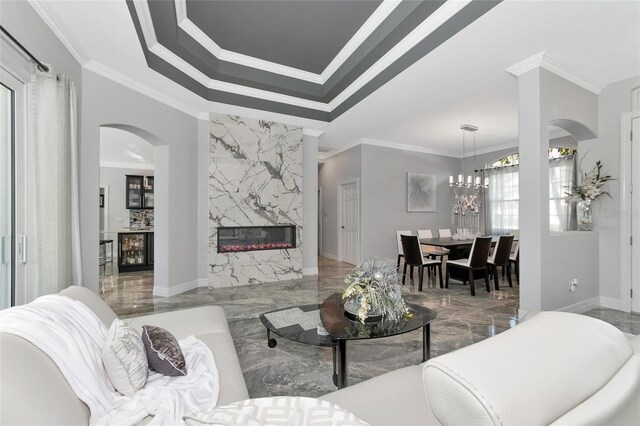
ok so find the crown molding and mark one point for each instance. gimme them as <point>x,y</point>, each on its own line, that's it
<point>53,21</point>
<point>225,55</point>
<point>312,132</point>
<point>104,71</point>
<point>544,60</point>
<point>405,147</point>
<point>149,34</point>
<point>429,25</point>
<point>122,165</point>
<point>492,149</point>
<point>369,26</point>
<point>324,155</point>
<point>61,31</point>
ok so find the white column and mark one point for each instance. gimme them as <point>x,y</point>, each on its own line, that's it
<point>310,205</point>
<point>533,181</point>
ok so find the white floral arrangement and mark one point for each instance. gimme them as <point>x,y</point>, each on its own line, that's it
<point>375,288</point>
<point>591,187</point>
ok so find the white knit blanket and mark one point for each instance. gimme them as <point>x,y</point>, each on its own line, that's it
<point>73,336</point>
<point>278,411</point>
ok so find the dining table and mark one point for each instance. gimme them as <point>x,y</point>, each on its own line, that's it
<point>458,249</point>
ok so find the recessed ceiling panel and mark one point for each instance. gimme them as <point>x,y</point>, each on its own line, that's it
<point>306,35</point>
<point>227,52</point>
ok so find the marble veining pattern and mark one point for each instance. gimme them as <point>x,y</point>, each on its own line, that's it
<point>255,178</point>
<point>297,369</point>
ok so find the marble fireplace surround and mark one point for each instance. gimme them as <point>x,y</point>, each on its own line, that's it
<point>255,179</point>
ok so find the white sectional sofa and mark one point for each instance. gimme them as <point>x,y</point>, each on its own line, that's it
<point>555,368</point>
<point>34,392</point>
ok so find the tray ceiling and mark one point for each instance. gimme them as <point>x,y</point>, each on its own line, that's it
<point>312,59</point>
<point>300,34</point>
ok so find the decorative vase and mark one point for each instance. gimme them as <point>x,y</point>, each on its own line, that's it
<point>585,221</point>
<point>351,307</point>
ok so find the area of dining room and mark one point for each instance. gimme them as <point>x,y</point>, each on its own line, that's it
<point>458,258</point>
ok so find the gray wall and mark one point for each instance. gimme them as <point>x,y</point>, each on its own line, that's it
<point>344,166</point>
<point>19,18</point>
<point>550,260</point>
<point>608,213</point>
<point>115,179</point>
<point>174,136</point>
<point>384,196</point>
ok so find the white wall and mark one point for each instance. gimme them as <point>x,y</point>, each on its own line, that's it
<point>174,136</point>
<point>119,148</point>
<point>310,204</point>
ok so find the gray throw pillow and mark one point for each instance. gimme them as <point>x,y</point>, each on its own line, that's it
<point>163,351</point>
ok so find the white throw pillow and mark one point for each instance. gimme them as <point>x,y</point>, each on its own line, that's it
<point>124,358</point>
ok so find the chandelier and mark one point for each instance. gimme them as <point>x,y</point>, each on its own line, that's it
<point>465,212</point>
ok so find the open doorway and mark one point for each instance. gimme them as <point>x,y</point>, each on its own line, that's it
<point>127,212</point>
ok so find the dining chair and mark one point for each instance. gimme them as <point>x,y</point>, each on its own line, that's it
<point>444,233</point>
<point>500,257</point>
<point>413,257</point>
<point>477,261</point>
<point>432,251</point>
<point>400,252</point>
<point>515,259</point>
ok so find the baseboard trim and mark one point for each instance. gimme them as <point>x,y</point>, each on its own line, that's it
<point>309,271</point>
<point>582,306</point>
<point>329,255</point>
<point>176,289</point>
<point>203,282</point>
<point>617,304</point>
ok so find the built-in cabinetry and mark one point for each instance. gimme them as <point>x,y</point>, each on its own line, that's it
<point>139,192</point>
<point>135,251</point>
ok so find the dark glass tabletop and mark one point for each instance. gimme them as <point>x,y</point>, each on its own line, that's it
<point>341,328</point>
<point>296,331</point>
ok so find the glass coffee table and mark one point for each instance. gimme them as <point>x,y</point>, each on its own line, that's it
<point>299,324</point>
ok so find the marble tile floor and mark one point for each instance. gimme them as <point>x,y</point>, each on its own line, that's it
<point>296,369</point>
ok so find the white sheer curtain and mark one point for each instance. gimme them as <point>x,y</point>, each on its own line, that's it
<point>562,173</point>
<point>54,255</point>
<point>503,200</point>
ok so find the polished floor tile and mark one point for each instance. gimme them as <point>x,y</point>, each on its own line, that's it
<point>296,369</point>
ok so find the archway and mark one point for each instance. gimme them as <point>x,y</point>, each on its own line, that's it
<point>150,206</point>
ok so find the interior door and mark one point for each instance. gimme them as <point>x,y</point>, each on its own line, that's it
<point>635,221</point>
<point>350,226</point>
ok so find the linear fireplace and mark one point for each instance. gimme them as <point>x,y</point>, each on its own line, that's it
<point>233,239</point>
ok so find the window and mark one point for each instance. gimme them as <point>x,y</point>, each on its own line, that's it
<point>503,196</point>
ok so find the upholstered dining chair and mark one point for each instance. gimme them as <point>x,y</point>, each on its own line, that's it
<point>477,261</point>
<point>444,233</point>
<point>500,257</point>
<point>432,251</point>
<point>413,257</point>
<point>514,258</point>
<point>400,252</point>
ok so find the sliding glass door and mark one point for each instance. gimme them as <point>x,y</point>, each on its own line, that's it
<point>13,176</point>
<point>7,227</point>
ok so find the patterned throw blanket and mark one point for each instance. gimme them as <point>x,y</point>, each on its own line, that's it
<point>277,411</point>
